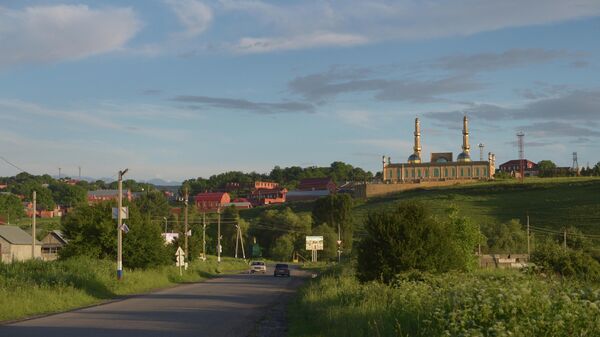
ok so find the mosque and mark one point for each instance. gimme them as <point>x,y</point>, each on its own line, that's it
<point>441,167</point>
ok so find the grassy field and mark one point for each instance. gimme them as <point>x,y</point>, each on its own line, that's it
<point>35,287</point>
<point>486,303</point>
<point>551,202</point>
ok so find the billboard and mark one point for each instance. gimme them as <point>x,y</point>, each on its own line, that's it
<point>314,243</point>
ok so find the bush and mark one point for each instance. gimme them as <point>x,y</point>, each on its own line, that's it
<point>409,237</point>
<point>550,257</point>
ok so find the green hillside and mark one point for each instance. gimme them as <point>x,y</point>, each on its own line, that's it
<point>552,203</point>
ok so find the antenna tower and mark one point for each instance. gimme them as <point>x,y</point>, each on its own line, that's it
<point>521,144</point>
<point>575,164</point>
<point>481,146</point>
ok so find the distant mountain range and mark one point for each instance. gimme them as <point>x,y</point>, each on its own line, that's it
<point>155,181</point>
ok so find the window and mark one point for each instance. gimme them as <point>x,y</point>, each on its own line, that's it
<point>426,173</point>
<point>398,173</point>
<point>462,172</point>
<point>477,172</point>
<point>413,173</point>
<point>446,172</point>
<point>436,172</point>
<point>419,173</point>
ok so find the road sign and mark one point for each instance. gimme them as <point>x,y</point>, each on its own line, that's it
<point>314,243</point>
<point>124,212</point>
<point>180,254</point>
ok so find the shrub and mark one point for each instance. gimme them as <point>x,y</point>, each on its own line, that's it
<point>409,237</point>
<point>552,258</point>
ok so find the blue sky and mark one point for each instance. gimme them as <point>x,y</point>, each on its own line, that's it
<point>181,89</point>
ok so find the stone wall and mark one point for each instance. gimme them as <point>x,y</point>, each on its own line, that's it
<point>373,190</point>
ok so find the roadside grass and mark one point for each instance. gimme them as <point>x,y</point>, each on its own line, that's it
<point>552,203</point>
<point>484,303</point>
<point>35,287</point>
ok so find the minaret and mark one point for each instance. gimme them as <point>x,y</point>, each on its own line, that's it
<point>465,156</point>
<point>415,158</point>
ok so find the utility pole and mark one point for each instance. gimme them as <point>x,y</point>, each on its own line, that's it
<point>528,235</point>
<point>237,239</point>
<point>185,220</point>
<point>565,239</point>
<point>204,236</point>
<point>119,229</point>
<point>339,242</point>
<point>33,219</point>
<point>219,235</point>
<point>242,242</point>
<point>164,218</point>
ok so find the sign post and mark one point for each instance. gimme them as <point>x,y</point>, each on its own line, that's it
<point>314,244</point>
<point>180,254</point>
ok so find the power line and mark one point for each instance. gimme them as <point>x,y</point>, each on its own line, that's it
<point>11,164</point>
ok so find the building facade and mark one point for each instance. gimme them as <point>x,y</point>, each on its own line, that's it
<point>15,245</point>
<point>441,167</point>
<point>212,201</point>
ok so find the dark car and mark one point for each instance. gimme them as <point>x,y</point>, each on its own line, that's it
<point>281,269</point>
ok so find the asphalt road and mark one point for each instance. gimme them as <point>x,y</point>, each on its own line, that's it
<point>226,306</point>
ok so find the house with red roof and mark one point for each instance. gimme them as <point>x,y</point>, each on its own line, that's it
<point>212,201</point>
<point>317,184</point>
<point>267,193</point>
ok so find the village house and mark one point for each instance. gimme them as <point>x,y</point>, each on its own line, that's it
<point>267,193</point>
<point>212,201</point>
<point>98,196</point>
<point>15,245</point>
<point>52,243</point>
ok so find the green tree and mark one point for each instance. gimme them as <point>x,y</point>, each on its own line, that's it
<point>283,248</point>
<point>11,207</point>
<point>329,241</point>
<point>153,204</point>
<point>506,238</point>
<point>273,224</point>
<point>67,195</point>
<point>546,168</point>
<point>92,232</point>
<point>336,211</point>
<point>409,237</point>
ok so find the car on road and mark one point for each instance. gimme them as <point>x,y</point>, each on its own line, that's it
<point>281,269</point>
<point>258,267</point>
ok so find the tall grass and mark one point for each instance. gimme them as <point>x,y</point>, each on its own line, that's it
<point>36,287</point>
<point>497,303</point>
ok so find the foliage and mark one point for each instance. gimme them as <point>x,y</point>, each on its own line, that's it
<point>547,168</point>
<point>11,207</point>
<point>329,241</point>
<point>283,248</point>
<point>273,224</point>
<point>67,195</point>
<point>153,204</point>
<point>38,287</point>
<point>409,237</point>
<point>496,303</point>
<point>336,210</point>
<point>506,238</point>
<point>288,177</point>
<point>550,257</point>
<point>92,232</point>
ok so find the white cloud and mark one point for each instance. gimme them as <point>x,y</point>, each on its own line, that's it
<point>318,39</point>
<point>63,32</point>
<point>310,24</point>
<point>195,16</point>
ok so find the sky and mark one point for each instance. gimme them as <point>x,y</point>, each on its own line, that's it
<point>181,89</point>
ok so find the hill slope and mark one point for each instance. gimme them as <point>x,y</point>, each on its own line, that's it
<point>551,203</point>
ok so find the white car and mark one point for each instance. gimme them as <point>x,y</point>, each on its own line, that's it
<point>258,267</point>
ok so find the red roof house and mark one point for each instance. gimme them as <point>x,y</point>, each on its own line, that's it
<point>317,184</point>
<point>211,201</point>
